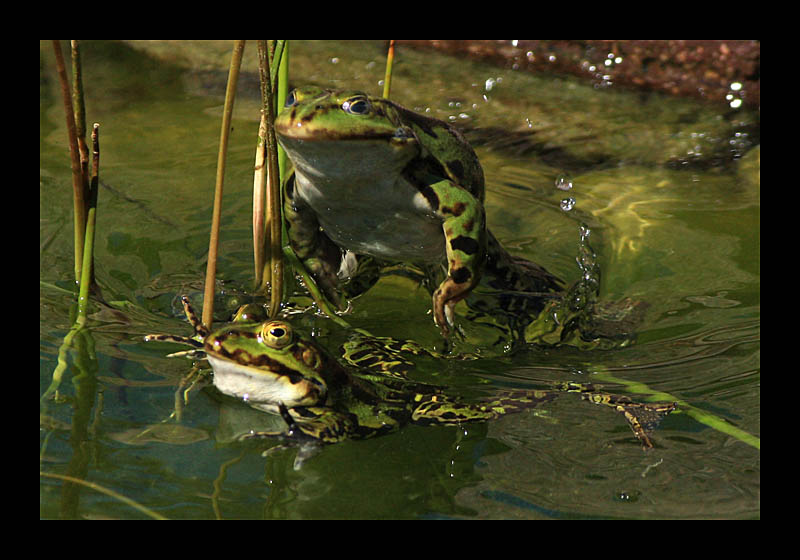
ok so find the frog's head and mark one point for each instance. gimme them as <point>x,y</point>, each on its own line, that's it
<point>330,131</point>
<point>267,364</point>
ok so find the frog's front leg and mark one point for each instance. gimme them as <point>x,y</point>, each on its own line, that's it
<point>464,226</point>
<point>320,256</point>
<point>318,423</point>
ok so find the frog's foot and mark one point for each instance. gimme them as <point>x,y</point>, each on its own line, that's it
<point>200,332</point>
<point>445,298</point>
<point>643,418</point>
<point>324,276</point>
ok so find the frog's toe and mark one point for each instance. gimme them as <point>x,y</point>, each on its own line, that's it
<point>443,314</point>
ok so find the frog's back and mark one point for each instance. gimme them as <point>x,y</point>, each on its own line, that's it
<point>446,153</point>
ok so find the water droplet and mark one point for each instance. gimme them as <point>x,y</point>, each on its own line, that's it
<point>627,497</point>
<point>567,204</point>
<point>563,182</point>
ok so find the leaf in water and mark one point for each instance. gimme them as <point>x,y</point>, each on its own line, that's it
<point>174,434</point>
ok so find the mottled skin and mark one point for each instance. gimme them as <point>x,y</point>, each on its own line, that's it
<point>382,182</point>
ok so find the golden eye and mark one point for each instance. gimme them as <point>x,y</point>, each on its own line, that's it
<point>276,334</point>
<point>356,106</point>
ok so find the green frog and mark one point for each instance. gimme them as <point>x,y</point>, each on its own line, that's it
<point>275,369</point>
<point>375,184</point>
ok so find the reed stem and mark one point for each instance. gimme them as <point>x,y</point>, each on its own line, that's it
<point>213,244</point>
<point>80,112</point>
<point>387,79</point>
<point>91,218</point>
<point>267,182</point>
<point>273,204</point>
<point>260,173</point>
<point>78,188</point>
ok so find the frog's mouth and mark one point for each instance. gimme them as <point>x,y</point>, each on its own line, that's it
<point>269,382</point>
<point>291,132</point>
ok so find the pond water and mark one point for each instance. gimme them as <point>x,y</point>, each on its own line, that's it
<point>669,188</point>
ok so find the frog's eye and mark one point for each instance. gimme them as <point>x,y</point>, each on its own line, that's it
<point>291,98</point>
<point>276,334</point>
<point>356,106</point>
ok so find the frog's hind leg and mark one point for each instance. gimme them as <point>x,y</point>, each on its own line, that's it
<point>643,418</point>
<point>506,272</point>
<point>439,409</point>
<point>358,273</point>
<point>200,332</point>
<point>319,255</point>
<point>200,329</point>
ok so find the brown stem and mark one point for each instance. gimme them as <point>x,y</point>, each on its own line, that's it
<point>78,187</point>
<point>213,245</point>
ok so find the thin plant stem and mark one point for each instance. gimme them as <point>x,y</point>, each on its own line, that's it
<point>213,244</point>
<point>91,219</point>
<point>86,273</point>
<point>273,224</point>
<point>260,172</point>
<point>282,93</point>
<point>107,491</point>
<point>268,229</point>
<point>387,80</point>
<point>80,111</point>
<point>276,65</point>
<point>78,188</point>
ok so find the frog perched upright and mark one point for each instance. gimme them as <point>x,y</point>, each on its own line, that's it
<point>375,182</point>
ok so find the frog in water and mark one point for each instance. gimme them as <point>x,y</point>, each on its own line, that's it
<point>375,183</point>
<point>273,368</point>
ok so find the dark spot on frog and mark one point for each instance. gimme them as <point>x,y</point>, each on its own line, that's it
<point>303,412</point>
<point>461,275</point>
<point>465,244</point>
<point>430,195</point>
<point>223,337</point>
<point>457,209</point>
<point>456,168</point>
